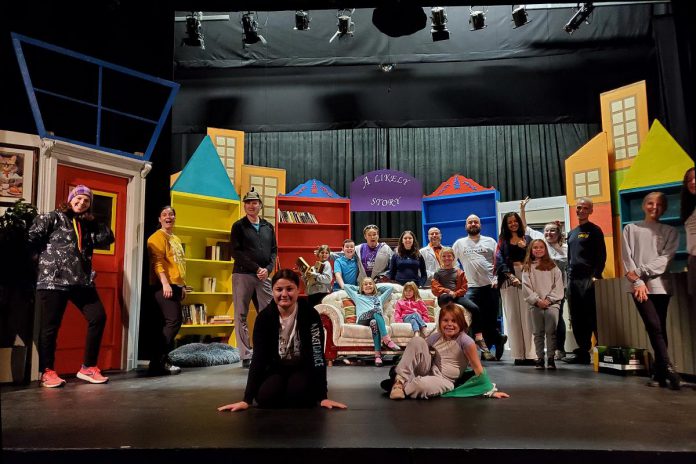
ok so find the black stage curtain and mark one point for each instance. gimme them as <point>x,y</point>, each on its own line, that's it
<point>518,160</point>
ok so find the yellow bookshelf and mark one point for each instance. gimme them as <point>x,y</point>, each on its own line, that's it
<point>203,222</point>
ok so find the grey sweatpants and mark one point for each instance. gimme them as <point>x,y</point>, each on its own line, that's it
<point>243,288</point>
<point>544,322</point>
<point>421,371</point>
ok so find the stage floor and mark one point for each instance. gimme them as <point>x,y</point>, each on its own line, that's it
<point>570,415</point>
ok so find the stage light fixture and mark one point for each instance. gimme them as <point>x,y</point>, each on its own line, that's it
<point>346,26</point>
<point>477,19</point>
<point>194,32</point>
<point>519,16</point>
<point>439,31</point>
<point>250,29</point>
<point>302,20</point>
<point>580,16</point>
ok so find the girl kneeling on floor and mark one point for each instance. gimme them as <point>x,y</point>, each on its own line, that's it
<point>421,374</point>
<point>369,303</point>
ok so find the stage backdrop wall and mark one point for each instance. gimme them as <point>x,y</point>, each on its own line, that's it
<point>517,160</point>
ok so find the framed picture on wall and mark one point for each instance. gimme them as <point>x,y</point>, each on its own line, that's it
<point>18,173</point>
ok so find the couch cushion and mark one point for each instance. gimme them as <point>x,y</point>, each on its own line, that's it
<point>356,331</point>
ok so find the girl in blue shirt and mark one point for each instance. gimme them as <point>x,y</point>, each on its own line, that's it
<point>369,302</point>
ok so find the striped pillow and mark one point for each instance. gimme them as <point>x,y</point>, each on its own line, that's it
<point>349,316</point>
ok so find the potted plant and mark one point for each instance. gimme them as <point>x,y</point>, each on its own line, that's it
<point>17,281</point>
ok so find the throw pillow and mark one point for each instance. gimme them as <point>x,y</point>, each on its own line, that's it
<point>349,316</point>
<point>430,304</point>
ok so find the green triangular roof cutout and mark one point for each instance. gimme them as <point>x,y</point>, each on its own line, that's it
<point>660,160</point>
<point>204,174</point>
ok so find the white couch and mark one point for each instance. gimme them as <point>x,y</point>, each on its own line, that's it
<point>343,339</point>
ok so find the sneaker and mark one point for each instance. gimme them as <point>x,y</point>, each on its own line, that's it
<point>577,359</point>
<point>165,369</point>
<point>673,378</point>
<point>50,379</point>
<point>393,346</point>
<point>397,391</point>
<point>423,332</point>
<point>539,364</point>
<point>378,361</point>
<point>485,352</point>
<point>657,383</point>
<point>91,375</point>
<point>551,364</point>
<point>500,346</point>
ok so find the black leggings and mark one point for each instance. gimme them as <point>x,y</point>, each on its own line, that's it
<point>654,315</point>
<point>170,323</point>
<point>52,304</point>
<point>286,387</point>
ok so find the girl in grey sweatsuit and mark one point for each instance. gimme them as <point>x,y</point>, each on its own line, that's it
<point>543,290</point>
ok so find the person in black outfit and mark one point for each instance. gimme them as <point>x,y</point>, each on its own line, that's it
<point>65,240</point>
<point>587,255</point>
<point>288,369</point>
<point>254,251</point>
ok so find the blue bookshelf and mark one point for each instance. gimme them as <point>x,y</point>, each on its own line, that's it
<point>449,213</point>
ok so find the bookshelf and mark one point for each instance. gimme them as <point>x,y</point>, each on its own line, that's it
<point>203,224</point>
<point>631,210</point>
<point>449,212</point>
<point>297,239</point>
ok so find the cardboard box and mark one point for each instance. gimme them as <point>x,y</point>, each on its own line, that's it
<point>624,360</point>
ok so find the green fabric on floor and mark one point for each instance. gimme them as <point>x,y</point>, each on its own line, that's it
<point>475,386</point>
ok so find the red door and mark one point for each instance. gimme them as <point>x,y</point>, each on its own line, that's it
<point>109,205</point>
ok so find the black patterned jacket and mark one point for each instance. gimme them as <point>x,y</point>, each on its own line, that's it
<point>61,264</point>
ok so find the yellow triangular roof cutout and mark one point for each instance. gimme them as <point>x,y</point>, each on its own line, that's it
<point>660,160</point>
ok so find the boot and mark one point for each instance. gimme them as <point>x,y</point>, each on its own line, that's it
<point>673,378</point>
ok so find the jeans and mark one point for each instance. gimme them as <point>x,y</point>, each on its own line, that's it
<point>415,320</point>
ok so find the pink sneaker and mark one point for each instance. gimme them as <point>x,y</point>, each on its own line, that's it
<point>50,379</point>
<point>393,346</point>
<point>91,375</point>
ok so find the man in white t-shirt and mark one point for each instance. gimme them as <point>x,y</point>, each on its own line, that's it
<point>476,253</point>
<point>431,253</point>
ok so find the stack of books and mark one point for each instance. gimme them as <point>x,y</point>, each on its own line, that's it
<point>221,319</point>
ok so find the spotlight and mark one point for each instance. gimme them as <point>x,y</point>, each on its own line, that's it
<point>519,16</point>
<point>387,67</point>
<point>477,19</point>
<point>579,17</point>
<point>302,20</point>
<point>439,27</point>
<point>250,29</point>
<point>346,26</point>
<point>194,34</point>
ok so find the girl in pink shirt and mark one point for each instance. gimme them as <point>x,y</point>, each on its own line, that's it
<point>411,309</point>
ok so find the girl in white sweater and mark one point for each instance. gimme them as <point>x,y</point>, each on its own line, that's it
<point>648,247</point>
<point>542,287</point>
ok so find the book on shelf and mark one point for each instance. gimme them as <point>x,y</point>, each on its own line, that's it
<point>209,284</point>
<point>221,319</point>
<point>222,251</point>
<point>303,217</point>
<point>194,314</point>
<point>225,251</point>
